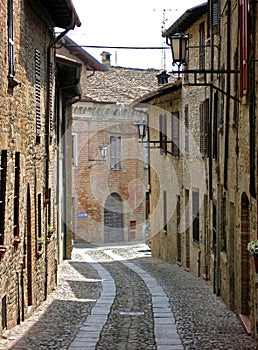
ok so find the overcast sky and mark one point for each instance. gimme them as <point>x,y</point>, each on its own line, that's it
<point>132,23</point>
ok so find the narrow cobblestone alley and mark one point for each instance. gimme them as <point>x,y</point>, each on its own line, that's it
<point>119,297</point>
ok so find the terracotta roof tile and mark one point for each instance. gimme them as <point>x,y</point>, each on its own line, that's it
<point>123,85</point>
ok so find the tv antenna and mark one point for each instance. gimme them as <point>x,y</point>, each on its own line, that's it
<point>163,42</point>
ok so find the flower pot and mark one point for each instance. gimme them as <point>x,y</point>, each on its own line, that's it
<point>16,241</point>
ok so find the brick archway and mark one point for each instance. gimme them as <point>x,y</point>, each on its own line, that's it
<point>113,219</point>
<point>245,259</point>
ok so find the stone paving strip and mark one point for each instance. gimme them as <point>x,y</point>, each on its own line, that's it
<point>165,328</point>
<point>89,333</point>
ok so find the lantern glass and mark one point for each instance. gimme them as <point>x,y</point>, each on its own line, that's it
<point>178,43</point>
<point>141,129</point>
<point>103,151</point>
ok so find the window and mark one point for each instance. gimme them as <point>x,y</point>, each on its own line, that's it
<point>187,132</point>
<point>10,24</point>
<point>204,117</point>
<point>196,223</point>
<point>38,92</point>
<point>163,133</point>
<point>115,152</point>
<point>202,47</point>
<point>175,133</point>
<point>16,194</point>
<point>3,174</point>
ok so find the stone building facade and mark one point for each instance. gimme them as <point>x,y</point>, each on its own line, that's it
<point>28,217</point>
<point>210,226</point>
<point>111,195</point>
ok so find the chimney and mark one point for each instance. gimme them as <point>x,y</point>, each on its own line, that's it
<point>106,58</point>
<point>162,77</point>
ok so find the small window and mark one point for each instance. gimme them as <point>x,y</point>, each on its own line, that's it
<point>115,152</point>
<point>3,174</point>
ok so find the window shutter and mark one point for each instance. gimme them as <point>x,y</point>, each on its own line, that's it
<point>187,135</point>
<point>202,128</point>
<point>175,133</point>
<point>202,47</point>
<point>51,96</point>
<point>115,152</point>
<point>215,13</point>
<point>37,91</point>
<point>10,39</point>
<point>3,176</point>
<point>244,48</point>
<point>118,152</point>
<point>112,152</point>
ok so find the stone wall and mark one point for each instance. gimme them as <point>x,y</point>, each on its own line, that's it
<point>27,274</point>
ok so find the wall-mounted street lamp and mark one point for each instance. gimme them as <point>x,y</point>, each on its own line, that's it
<point>142,127</point>
<point>178,44</point>
<point>180,48</point>
<point>103,152</point>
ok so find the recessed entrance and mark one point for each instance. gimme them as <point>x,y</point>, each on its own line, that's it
<point>113,219</point>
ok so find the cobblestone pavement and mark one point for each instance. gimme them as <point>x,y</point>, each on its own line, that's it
<point>202,319</point>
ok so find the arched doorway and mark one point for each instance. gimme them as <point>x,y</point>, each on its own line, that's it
<point>113,219</point>
<point>245,259</point>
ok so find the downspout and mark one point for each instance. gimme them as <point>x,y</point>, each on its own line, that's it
<point>47,140</point>
<point>228,96</point>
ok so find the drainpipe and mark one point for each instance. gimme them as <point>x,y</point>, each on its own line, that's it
<point>22,292</point>
<point>47,141</point>
<point>18,297</point>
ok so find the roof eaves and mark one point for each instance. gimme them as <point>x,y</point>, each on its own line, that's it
<point>159,92</point>
<point>187,19</point>
<point>84,56</point>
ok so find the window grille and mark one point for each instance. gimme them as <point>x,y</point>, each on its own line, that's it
<point>38,91</point>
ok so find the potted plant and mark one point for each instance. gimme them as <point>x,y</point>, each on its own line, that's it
<point>252,247</point>
<point>50,231</point>
<point>40,242</point>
